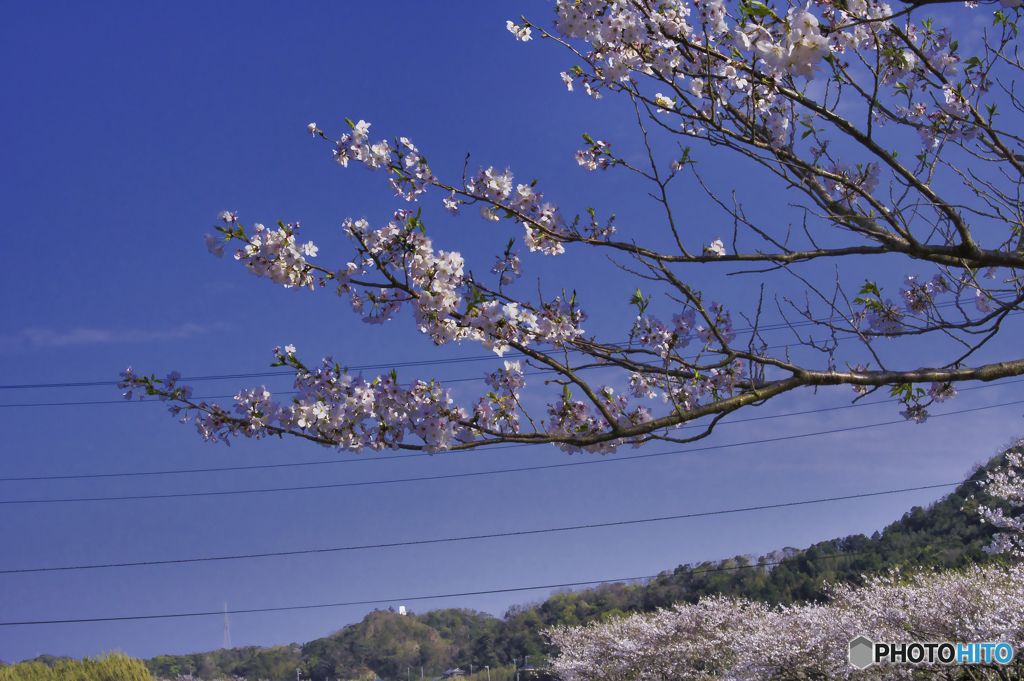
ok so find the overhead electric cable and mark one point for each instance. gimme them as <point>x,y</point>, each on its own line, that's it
<point>287,392</point>
<point>398,365</point>
<point>451,476</point>
<point>451,595</point>
<point>259,374</point>
<point>295,392</point>
<point>422,454</point>
<point>517,533</point>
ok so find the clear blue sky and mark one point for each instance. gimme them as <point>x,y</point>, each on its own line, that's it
<point>128,127</point>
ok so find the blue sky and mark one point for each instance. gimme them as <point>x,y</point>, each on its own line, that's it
<point>129,127</point>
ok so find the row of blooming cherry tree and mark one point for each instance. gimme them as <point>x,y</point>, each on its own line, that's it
<point>730,638</point>
<point>898,140</point>
<point>734,638</point>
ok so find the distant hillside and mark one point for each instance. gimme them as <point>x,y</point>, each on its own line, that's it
<point>392,646</point>
<point>51,661</point>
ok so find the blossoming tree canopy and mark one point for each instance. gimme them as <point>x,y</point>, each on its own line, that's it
<point>734,638</point>
<point>1006,482</point>
<point>897,143</point>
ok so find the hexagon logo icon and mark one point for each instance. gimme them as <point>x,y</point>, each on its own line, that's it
<point>861,649</point>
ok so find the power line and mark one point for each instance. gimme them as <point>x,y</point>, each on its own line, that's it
<point>218,470</point>
<point>451,595</point>
<point>216,397</point>
<point>408,456</point>
<point>278,373</point>
<point>273,374</point>
<point>398,365</point>
<point>517,533</point>
<point>259,374</point>
<point>389,458</point>
<point>451,476</point>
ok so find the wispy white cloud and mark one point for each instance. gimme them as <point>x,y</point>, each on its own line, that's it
<point>38,337</point>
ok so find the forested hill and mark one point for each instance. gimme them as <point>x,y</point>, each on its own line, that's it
<point>386,644</point>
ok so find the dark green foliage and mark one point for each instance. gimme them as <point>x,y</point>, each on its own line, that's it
<point>50,660</point>
<point>395,647</point>
<point>252,662</point>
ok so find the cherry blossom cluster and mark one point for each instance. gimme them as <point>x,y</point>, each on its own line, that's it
<point>508,380</point>
<point>414,176</point>
<point>915,400</point>
<point>496,325</point>
<point>940,392</point>
<point>720,326</point>
<point>652,333</point>
<point>270,253</point>
<point>402,250</point>
<point>717,57</point>
<point>598,155</point>
<point>617,31</point>
<point>919,296</point>
<point>508,268</point>
<point>137,387</point>
<point>570,418</point>
<point>337,409</point>
<point>434,285</point>
<point>498,411</point>
<point>331,407</point>
<point>542,220</point>
<point>698,387</point>
<point>688,393</point>
<point>883,317</point>
<point>596,230</point>
<point>356,146</point>
<point>983,301</point>
<point>352,413</point>
<point>803,50</point>
<point>733,638</point>
<point>851,184</point>
<point>1006,482</point>
<point>716,248</point>
<point>520,32</point>
<point>410,174</point>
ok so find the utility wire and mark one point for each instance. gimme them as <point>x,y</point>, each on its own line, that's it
<point>451,476</point>
<point>277,373</point>
<point>219,397</point>
<point>398,365</point>
<point>408,456</point>
<point>411,456</point>
<point>295,392</point>
<point>259,374</point>
<point>451,595</point>
<point>518,533</point>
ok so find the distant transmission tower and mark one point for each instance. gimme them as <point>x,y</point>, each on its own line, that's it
<point>227,628</point>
